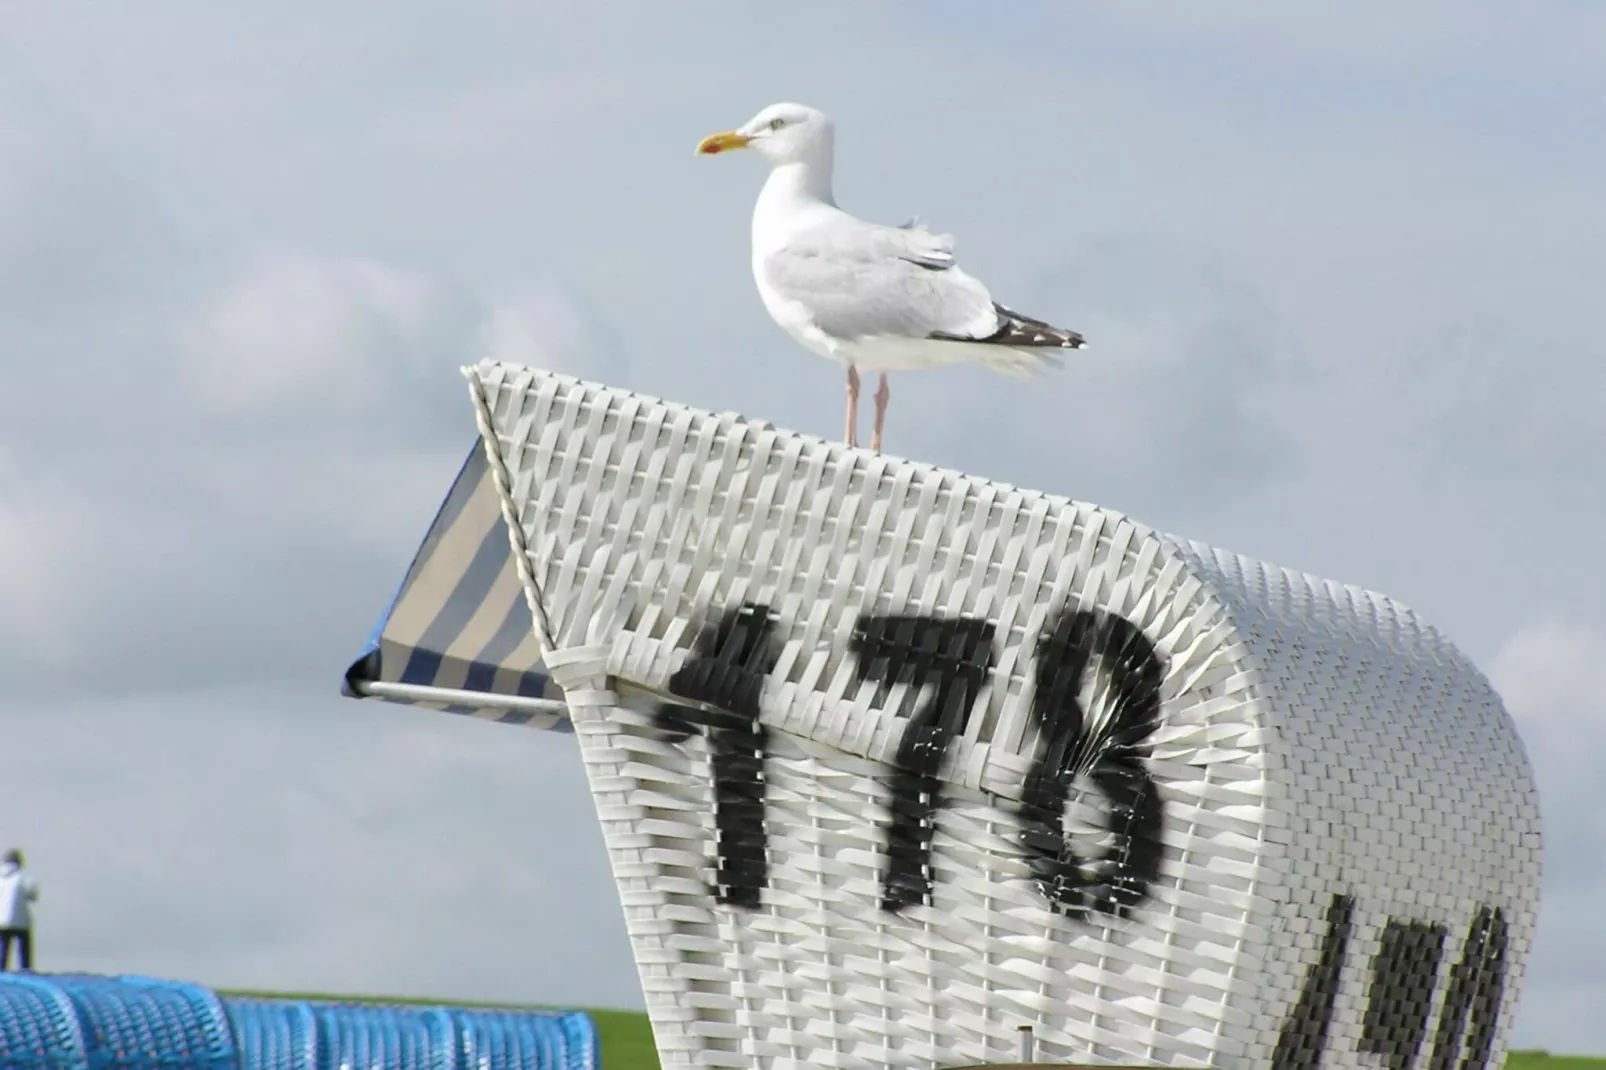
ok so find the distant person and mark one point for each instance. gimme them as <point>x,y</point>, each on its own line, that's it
<point>17,890</point>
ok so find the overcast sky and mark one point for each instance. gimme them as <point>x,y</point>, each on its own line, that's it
<point>1341,272</point>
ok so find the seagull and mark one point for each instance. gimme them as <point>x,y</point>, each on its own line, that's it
<point>871,297</point>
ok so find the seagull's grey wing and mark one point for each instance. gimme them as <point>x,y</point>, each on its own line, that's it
<point>856,280</point>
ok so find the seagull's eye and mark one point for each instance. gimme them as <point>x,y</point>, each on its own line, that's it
<point>776,124</point>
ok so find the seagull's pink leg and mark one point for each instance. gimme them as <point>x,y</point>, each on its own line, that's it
<point>853,405</point>
<point>882,396</point>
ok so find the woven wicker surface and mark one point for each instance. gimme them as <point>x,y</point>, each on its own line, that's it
<point>973,757</point>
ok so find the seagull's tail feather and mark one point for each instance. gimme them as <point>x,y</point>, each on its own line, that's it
<point>1022,346</point>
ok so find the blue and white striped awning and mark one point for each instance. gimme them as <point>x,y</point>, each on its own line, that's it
<point>458,636</point>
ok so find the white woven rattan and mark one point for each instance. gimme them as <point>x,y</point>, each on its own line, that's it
<point>1314,740</point>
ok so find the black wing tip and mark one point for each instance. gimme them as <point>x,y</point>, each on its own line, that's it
<point>1015,338</point>
<point>1029,333</point>
<point>1019,332</point>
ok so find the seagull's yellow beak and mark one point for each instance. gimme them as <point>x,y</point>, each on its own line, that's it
<point>715,143</point>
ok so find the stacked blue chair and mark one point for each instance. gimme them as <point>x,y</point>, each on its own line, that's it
<point>39,1027</point>
<point>293,1035</point>
<point>493,1040</point>
<point>83,1022</point>
<point>273,1034</point>
<point>120,1023</point>
<point>384,1038</point>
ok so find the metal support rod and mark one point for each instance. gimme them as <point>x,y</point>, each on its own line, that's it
<point>452,695</point>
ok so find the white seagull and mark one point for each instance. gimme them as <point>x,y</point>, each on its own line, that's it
<point>862,294</point>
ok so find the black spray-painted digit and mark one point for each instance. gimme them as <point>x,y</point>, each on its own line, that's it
<point>1113,755</point>
<point>1399,999</point>
<point>1476,984</point>
<point>945,662</point>
<point>727,669</point>
<point>1304,1032</point>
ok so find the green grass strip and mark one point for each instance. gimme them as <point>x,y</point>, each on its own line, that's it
<point>627,1042</point>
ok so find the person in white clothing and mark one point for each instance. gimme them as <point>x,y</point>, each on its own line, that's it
<point>17,891</point>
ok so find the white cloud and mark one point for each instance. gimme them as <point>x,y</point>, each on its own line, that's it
<point>300,328</point>
<point>342,334</point>
<point>1549,675</point>
<point>537,327</point>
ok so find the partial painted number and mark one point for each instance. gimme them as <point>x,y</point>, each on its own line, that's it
<point>944,663</point>
<point>1399,997</point>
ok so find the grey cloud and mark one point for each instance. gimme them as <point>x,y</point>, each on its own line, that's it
<point>1521,409</point>
<point>89,259</point>
<point>73,221</point>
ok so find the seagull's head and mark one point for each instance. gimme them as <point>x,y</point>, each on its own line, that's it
<point>781,133</point>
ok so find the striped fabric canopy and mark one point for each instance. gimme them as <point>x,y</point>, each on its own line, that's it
<point>458,636</point>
